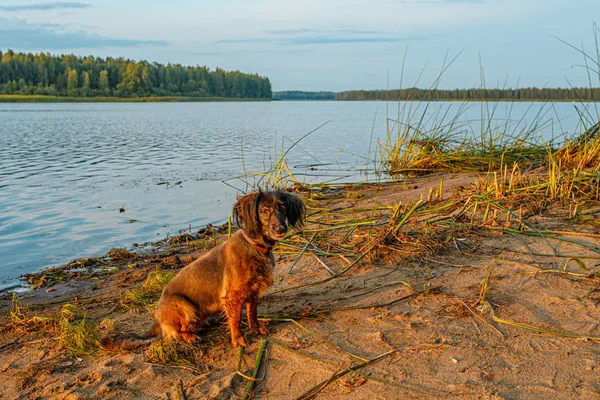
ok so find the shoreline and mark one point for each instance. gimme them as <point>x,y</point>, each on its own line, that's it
<point>11,99</point>
<point>455,101</point>
<point>51,275</point>
<point>150,99</point>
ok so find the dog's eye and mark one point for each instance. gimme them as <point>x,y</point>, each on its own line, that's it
<point>282,208</point>
<point>264,211</point>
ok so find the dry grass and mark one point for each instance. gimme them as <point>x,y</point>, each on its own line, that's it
<point>77,333</point>
<point>582,152</point>
<point>148,292</point>
<point>174,353</point>
<point>20,317</point>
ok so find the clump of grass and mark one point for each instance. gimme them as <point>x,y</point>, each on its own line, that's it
<point>133,300</point>
<point>416,152</point>
<point>157,280</point>
<point>77,333</point>
<point>164,352</point>
<point>143,296</point>
<point>175,353</point>
<point>583,152</point>
<point>561,183</point>
<point>38,281</point>
<point>569,187</point>
<point>20,317</point>
<point>17,314</point>
<point>423,138</point>
<point>399,217</point>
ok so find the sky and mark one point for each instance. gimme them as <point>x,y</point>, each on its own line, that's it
<point>330,45</point>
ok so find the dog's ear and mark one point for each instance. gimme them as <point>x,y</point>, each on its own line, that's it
<point>245,213</point>
<point>295,210</point>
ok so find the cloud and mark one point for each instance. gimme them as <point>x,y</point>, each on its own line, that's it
<point>347,39</point>
<point>22,35</point>
<point>324,39</point>
<point>46,6</point>
<point>256,40</point>
<point>451,1</point>
<point>321,31</point>
<point>307,36</point>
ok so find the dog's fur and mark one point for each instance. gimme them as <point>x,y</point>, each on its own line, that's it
<point>233,274</point>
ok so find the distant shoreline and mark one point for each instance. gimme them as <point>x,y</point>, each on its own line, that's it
<point>174,99</point>
<point>492,100</point>
<point>153,99</point>
<point>449,101</point>
<point>530,94</point>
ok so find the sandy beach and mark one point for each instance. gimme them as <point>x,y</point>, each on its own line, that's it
<point>390,291</point>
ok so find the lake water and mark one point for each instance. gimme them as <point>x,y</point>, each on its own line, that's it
<point>67,169</point>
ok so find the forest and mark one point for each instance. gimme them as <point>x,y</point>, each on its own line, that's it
<point>525,94</point>
<point>73,76</point>
<point>43,74</point>
<point>302,95</point>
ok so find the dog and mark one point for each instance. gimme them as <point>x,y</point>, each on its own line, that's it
<point>233,274</point>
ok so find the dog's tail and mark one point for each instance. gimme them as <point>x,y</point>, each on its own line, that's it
<point>129,341</point>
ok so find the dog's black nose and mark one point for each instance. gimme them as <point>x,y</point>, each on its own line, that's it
<point>280,229</point>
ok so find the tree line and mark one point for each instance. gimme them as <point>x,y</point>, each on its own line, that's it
<point>301,95</point>
<point>529,94</point>
<point>69,75</point>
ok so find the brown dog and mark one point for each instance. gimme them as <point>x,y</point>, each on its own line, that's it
<point>232,274</point>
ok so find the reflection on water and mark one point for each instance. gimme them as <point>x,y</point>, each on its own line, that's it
<point>67,169</point>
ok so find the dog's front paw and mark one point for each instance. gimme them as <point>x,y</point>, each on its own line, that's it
<point>238,341</point>
<point>259,328</point>
<point>189,337</point>
<point>259,331</point>
<point>263,330</point>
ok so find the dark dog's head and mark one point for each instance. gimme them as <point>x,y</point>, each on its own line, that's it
<point>266,215</point>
